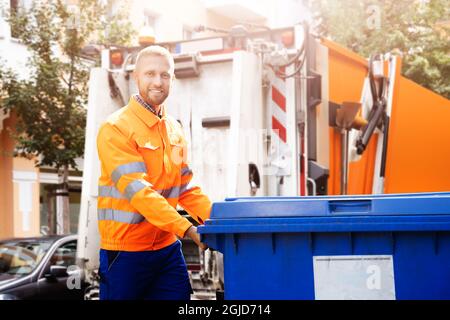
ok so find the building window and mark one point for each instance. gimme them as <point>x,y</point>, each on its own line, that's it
<point>15,6</point>
<point>150,21</point>
<point>187,33</point>
<point>48,207</point>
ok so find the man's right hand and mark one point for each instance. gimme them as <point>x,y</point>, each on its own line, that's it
<point>192,233</point>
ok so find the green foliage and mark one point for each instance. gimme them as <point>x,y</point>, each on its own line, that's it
<point>417,29</point>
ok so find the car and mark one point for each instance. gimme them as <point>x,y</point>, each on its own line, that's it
<point>40,268</point>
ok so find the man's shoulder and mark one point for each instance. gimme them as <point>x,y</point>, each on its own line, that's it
<point>119,117</point>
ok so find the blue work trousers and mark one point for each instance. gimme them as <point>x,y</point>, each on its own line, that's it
<point>144,275</point>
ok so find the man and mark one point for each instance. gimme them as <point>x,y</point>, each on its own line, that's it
<point>144,175</point>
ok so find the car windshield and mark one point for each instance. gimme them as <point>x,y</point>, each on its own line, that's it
<point>21,257</point>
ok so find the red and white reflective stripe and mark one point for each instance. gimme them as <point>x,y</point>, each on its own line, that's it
<point>278,107</point>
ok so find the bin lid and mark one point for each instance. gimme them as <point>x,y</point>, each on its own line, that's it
<point>385,213</point>
<point>319,206</point>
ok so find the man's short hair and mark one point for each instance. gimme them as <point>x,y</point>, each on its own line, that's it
<point>155,50</point>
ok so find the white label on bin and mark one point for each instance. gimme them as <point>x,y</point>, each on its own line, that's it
<point>354,277</point>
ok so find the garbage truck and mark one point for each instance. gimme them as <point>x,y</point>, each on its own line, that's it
<point>278,112</point>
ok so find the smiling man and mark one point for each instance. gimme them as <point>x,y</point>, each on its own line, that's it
<point>144,176</point>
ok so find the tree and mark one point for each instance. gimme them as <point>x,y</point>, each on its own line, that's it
<point>419,30</point>
<point>50,103</point>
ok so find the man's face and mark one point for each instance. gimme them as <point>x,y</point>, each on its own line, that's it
<point>153,77</point>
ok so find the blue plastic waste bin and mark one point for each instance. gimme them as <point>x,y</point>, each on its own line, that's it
<point>343,247</point>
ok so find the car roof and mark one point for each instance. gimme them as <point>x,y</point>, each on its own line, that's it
<point>52,238</point>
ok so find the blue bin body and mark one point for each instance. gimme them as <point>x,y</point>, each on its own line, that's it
<point>269,244</point>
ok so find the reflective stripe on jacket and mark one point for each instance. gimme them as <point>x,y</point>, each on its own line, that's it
<point>144,176</point>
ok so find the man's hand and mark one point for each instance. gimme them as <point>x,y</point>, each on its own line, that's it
<point>192,233</point>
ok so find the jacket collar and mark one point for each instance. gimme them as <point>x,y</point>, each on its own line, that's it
<point>145,115</point>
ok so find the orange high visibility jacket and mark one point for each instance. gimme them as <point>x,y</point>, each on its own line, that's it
<point>144,175</point>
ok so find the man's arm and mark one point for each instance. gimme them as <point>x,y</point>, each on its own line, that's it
<point>192,233</point>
